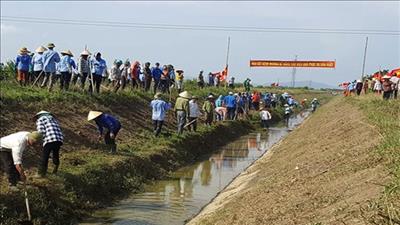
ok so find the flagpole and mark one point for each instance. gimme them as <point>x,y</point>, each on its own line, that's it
<point>227,59</point>
<point>365,56</point>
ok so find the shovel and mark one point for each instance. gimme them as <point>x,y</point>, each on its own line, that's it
<point>29,221</point>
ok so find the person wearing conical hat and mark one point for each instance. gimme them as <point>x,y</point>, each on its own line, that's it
<point>12,148</point>
<point>387,87</point>
<point>182,109</point>
<point>108,122</point>
<point>159,109</point>
<point>22,63</point>
<point>83,69</point>
<point>66,67</point>
<point>51,58</point>
<point>99,65</point>
<point>38,62</point>
<point>48,126</point>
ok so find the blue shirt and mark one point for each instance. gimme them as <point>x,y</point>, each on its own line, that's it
<point>22,62</point>
<point>50,58</point>
<point>66,64</point>
<point>230,101</point>
<point>156,73</point>
<point>98,66</point>
<point>218,102</point>
<point>159,109</point>
<point>290,101</point>
<point>38,62</point>
<point>108,122</point>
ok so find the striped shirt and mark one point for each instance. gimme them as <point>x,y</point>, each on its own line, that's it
<point>49,127</point>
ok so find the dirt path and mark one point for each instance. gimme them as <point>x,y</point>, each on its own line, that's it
<point>324,172</point>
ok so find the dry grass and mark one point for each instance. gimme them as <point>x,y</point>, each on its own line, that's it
<point>325,172</point>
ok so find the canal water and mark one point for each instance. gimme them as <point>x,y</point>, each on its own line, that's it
<point>181,196</point>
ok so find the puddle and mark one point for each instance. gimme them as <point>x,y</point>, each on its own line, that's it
<point>174,200</point>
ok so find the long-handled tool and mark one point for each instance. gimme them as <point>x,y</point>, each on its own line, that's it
<point>28,210</point>
<point>191,122</point>
<point>37,78</point>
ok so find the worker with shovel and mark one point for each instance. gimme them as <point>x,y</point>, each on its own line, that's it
<point>109,122</point>
<point>182,110</point>
<point>11,150</point>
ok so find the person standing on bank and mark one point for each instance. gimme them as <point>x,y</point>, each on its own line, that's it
<point>83,69</point>
<point>50,58</point>
<point>147,76</point>
<point>200,80</point>
<point>38,62</point>
<point>11,150</point>
<point>53,138</point>
<point>182,110</point>
<point>108,122</point>
<point>208,108</point>
<point>194,113</point>
<point>66,65</point>
<point>160,107</point>
<point>99,65</point>
<point>22,63</point>
<point>156,74</point>
<point>179,80</point>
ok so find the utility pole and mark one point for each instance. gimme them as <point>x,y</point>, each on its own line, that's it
<point>294,73</point>
<point>365,57</point>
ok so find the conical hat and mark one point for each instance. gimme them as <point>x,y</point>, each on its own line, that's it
<point>41,49</point>
<point>85,52</point>
<point>23,50</point>
<point>93,115</point>
<point>185,94</point>
<point>67,52</point>
<point>50,45</point>
<point>386,77</point>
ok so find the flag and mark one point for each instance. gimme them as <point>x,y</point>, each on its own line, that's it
<point>395,72</point>
<point>224,74</point>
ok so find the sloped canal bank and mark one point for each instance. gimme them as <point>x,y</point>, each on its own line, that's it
<point>183,194</point>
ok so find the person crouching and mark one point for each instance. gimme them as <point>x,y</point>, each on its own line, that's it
<point>11,150</point>
<point>112,125</point>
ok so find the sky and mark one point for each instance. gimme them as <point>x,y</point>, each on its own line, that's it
<point>195,50</point>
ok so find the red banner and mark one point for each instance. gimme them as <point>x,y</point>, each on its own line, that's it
<point>278,63</point>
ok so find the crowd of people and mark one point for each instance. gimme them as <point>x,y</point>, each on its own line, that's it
<point>387,86</point>
<point>47,64</point>
<point>46,67</point>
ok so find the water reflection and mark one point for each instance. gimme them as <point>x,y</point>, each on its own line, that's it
<point>173,200</point>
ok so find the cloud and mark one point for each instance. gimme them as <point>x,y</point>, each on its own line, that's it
<point>6,29</point>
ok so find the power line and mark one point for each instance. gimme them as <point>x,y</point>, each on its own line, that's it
<point>115,24</point>
<point>197,26</point>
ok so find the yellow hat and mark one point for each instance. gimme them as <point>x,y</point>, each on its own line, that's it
<point>93,115</point>
<point>23,50</point>
<point>34,136</point>
<point>50,45</point>
<point>41,49</point>
<point>185,94</point>
<point>67,52</point>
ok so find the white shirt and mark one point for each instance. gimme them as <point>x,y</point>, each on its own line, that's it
<point>265,115</point>
<point>194,109</point>
<point>17,142</point>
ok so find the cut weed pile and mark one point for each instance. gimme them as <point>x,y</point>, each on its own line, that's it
<point>90,178</point>
<point>325,172</point>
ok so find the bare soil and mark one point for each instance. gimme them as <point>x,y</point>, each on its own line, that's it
<point>324,172</point>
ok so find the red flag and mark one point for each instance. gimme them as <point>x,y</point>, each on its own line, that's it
<point>224,74</point>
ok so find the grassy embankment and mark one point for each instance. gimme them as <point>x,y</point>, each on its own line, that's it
<point>340,167</point>
<point>89,177</point>
<point>385,117</point>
